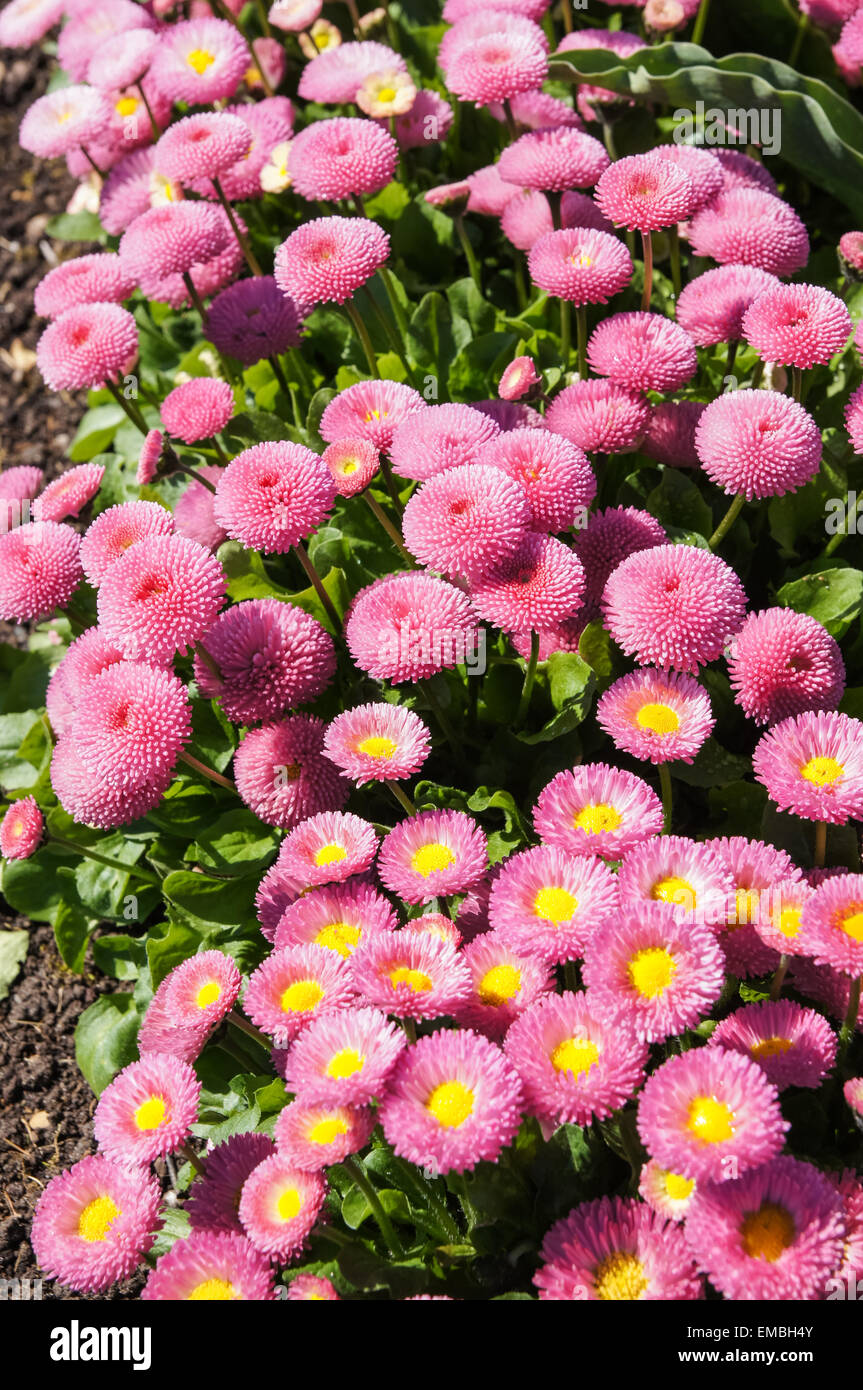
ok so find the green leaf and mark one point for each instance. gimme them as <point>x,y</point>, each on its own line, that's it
<point>255,427</point>
<point>483,360</point>
<point>106,892</point>
<point>209,902</point>
<point>105,1039</point>
<point>34,887</point>
<point>72,930</point>
<point>119,956</point>
<point>76,226</point>
<point>236,843</point>
<point>168,945</point>
<point>834,597</point>
<point>676,501</point>
<point>13,949</point>
<point>431,340</point>
<point>95,432</point>
<point>569,676</point>
<point>713,767</point>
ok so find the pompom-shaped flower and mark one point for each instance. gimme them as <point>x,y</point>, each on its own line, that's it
<point>147,1110</point>
<point>554,160</point>
<point>268,657</point>
<point>68,494</point>
<point>313,1134</point>
<point>370,410</point>
<point>537,587</point>
<point>280,1205</point>
<point>504,983</point>
<point>86,657</point>
<point>24,22</point>
<point>712,307</point>
<point>580,265</point>
<point>831,924</point>
<point>812,765</point>
<point>341,158</point>
<point>198,409</point>
<point>283,775</point>
<point>110,535</point>
<point>122,59</point>
<point>775,1233</point>
<point>273,495</point>
<point>689,876</point>
<point>253,319</point>
<point>439,438</point>
<point>797,325</point>
<point>131,724</point>
<point>410,974</point>
<point>21,829</point>
<point>94,1222</point>
<point>330,847</point>
<point>329,258</point>
<point>293,986</point>
<point>466,520</point>
<point>548,904</point>
<point>555,475</point>
<point>334,916</point>
<point>219,1266</point>
<point>432,855</point>
<point>214,1198</point>
<point>572,1066</point>
<point>596,809</point>
<point>758,443</point>
<point>344,1058</point>
<point>335,75</point>
<point>702,1108</point>
<point>200,61</point>
<point>377,743</point>
<point>792,1045</point>
<point>657,974</point>
<point>352,463</point>
<point>453,1100</point>
<point>673,606</point>
<point>172,239</point>
<point>40,568</point>
<point>202,146</point>
<point>86,346</point>
<point>854,419</point>
<point>700,165</point>
<point>407,626</point>
<point>306,1288</point>
<point>101,278</point>
<point>781,663</point>
<point>599,416</point>
<point>616,1249</point>
<point>747,226</point>
<point>519,379</point>
<point>656,716</point>
<point>496,67</point>
<point>645,192</point>
<point>160,597</point>
<point>644,352</point>
<point>670,437</point>
<point>63,120</point>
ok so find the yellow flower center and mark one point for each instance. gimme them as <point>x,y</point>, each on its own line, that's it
<point>95,1220</point>
<point>330,854</point>
<point>822,771</point>
<point>213,1291</point>
<point>746,901</point>
<point>619,1278</point>
<point>290,1204</point>
<point>853,925</point>
<point>326,1131</point>
<point>414,979</point>
<point>430,859</point>
<point>387,94</point>
<point>710,1120</point>
<point>208,994</point>
<point>152,1113</point>
<point>575,1055</point>
<point>659,719</point>
<point>126,106</point>
<point>373,415</point>
<point>345,1063</point>
<point>594,819</point>
<point>200,59</point>
<point>301,997</point>
<point>652,970</point>
<point>378,747</point>
<point>349,466</point>
<point>555,904</point>
<point>767,1232</point>
<point>770,1047</point>
<point>451,1103</point>
<point>338,936</point>
<point>252,75</point>
<point>674,890</point>
<point>500,983</point>
<point>581,260</point>
<point>788,922</point>
<point>678,1187</point>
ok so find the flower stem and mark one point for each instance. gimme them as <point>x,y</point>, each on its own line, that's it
<point>318,586</point>
<point>700,21</point>
<point>800,34</point>
<point>378,511</point>
<point>529,678</point>
<point>674,254</point>
<point>178,467</point>
<point>249,1029</point>
<point>820,843</point>
<point>565,332</point>
<point>392,295</point>
<point>647,251</point>
<point>566,15</point>
<point>242,240</point>
<point>207,772</point>
<point>797,383</point>
<point>191,290</point>
<point>666,791</point>
<point>448,1225</point>
<point>363,334</point>
<point>402,798</point>
<point>727,522</point>
<point>97,858</point>
<point>779,977</point>
<point>470,257</point>
<point>128,407</point>
<point>190,1156</point>
<point>387,474</point>
<point>148,108</point>
<point>846,1032</point>
<point>91,161</point>
<point>510,121</point>
<point>581,336</point>
<point>366,1187</point>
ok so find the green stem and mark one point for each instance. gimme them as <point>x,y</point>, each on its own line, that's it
<point>155,131</point>
<point>757,375</point>
<point>395,304</point>
<point>402,798</point>
<point>778,978</point>
<point>727,522</point>
<point>820,843</point>
<point>378,511</point>
<point>317,584</point>
<point>529,679</point>
<point>674,252</point>
<point>510,121</point>
<point>367,1188</point>
<point>700,21</point>
<point>179,467</point>
<point>607,134</point>
<point>581,337</point>
<point>849,1025</point>
<point>849,529</point>
<point>731,357</point>
<point>666,790</point>
<point>363,334</point>
<point>799,36</point>
<point>91,161</point>
<point>207,772</point>
<point>192,291</point>
<point>97,858</point>
<point>408,1025</point>
<point>421,1187</point>
<point>565,332</point>
<point>472,262</point>
<point>570,975</point>
<point>242,240</point>
<point>797,383</point>
<point>387,475</point>
<point>249,1029</point>
<point>188,1153</point>
<point>128,407</point>
<point>647,251</point>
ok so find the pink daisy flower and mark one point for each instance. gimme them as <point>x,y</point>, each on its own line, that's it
<point>554,160</point>
<point>283,775</point>
<point>21,829</point>
<point>670,437</point>
<point>330,847</point>
<point>170,239</point>
<point>537,110</point>
<point>108,538</point>
<point>86,346</point>
<point>792,1045</point>
<point>273,495</point>
<point>378,743</point>
<point>147,1110</point>
<point>439,438</point>
<point>853,1093</point>
<point>341,158</point>
<point>474,22</point>
<point>673,606</point>
<point>214,1198</point>
<point>277,890</point>
<point>775,1233</point>
<point>812,765</point>
<point>370,410</point>
<point>757,871</point>
<point>452,1101</point>
<point>644,352</point>
<point>293,986</point>
<point>848,52</point>
<point>599,416</point>
<point>410,974</point>
<point>540,585</point>
<point>89,26</point>
<point>782,663</point>
<point>779,925</point>
<point>596,809</point>
<point>336,75</point>
<point>160,597</point>
<point>758,444</point>
<point>253,319</point>
<point>436,924</point>
<point>712,307</point>
<point>413,130</point>
<point>645,192</point>
<point>851,251</point>
<point>740,170</point>
<point>202,146</point>
<point>344,1058</point>
<point>655,716</point>
<point>280,1205</point>
<point>489,192</point>
<point>672,869</point>
<point>63,120</point>
<point>269,655</point>
<point>615,1249</point>
<point>194,517</point>
<point>432,855</point>
<point>198,409</point>
<point>131,724</point>
<point>548,904</point>
<point>555,475</point>
<point>608,539</point>
<point>504,983</point>
<point>335,916</point>
<point>94,1222</point>
<point>510,415</point>
<point>829,12</point>
<point>100,278</point>
<point>850,1190</point>
<point>831,924</point>
<point>519,379</point>
<point>68,494</point>
<point>122,59</point>
<point>101,801</point>
<point>797,325</point>
<point>24,22</point>
<point>203,989</point>
<point>466,520</point>
<point>702,1108</point>
<point>352,464</point>
<point>828,987</point>
<point>18,487</point>
<point>747,226</point>
<point>572,1066</point>
<point>200,61</point>
<point>407,626</point>
<point>580,265</point>
<point>657,973</point>
<point>329,258</point>
<point>700,166</point>
<point>40,569</point>
<point>496,67</point>
<point>854,419</point>
<point>211,1266</point>
<point>667,1193</point>
<point>311,1135</point>
<point>311,1288</point>
<point>150,457</point>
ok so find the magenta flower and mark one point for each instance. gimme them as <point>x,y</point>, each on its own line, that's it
<point>496,67</point>
<point>554,160</point>
<point>409,974</point>
<point>86,346</point>
<point>712,307</point>
<point>580,265</point>
<point>268,656</point>
<point>252,319</point>
<point>40,569</point>
<point>200,61</point>
<point>295,985</point>
<point>352,463</point>
<point>202,146</point>
<point>21,829</point>
<point>370,410</point>
<point>599,416</point>
<point>272,496</point>
<point>831,924</point>
<point>644,352</point>
<point>108,538</point>
<point>540,585</point>
<point>283,775</point>
<point>214,1198</point>
<point>147,1110</point>
<point>198,409</point>
<point>94,1222</point>
<point>670,437</point>
<point>656,716</point>
<point>645,192</point>
<point>596,809</point>
<point>812,765</point>
<point>798,325</point>
<point>329,258</point>
<point>750,227</point>
<point>407,626</point>
<point>330,847</point>
<point>101,278</point>
<point>504,983</point>
<point>519,379</point>
<point>342,157</point>
<point>68,494</point>
<point>207,1265</point>
<point>280,1205</point>
<point>378,743</point>
<point>689,876</point>
<point>466,520</point>
<point>548,904</point>
<point>792,1045</point>
<point>131,724</point>
<point>312,1134</point>
<point>194,516</point>
<point>160,597</point>
<point>617,1249</point>
<point>440,437</point>
<point>781,663</point>
<point>335,76</point>
<point>344,1058</point>
<point>334,916</point>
